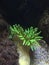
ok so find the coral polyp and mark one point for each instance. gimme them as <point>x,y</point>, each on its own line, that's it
<point>30,37</point>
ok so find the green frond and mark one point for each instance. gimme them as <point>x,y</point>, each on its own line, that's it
<point>30,37</point>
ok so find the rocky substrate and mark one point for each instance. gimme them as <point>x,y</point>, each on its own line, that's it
<point>41,55</point>
<point>43,25</point>
<point>8,50</point>
<point>8,53</point>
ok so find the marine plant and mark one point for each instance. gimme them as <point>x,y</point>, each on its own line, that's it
<point>30,36</point>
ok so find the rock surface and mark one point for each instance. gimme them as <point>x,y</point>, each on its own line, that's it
<point>8,52</point>
<point>44,25</point>
<point>3,28</point>
<point>41,55</point>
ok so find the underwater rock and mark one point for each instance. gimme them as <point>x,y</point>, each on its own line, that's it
<point>44,25</point>
<point>41,55</point>
<point>8,53</point>
<point>3,28</point>
<point>8,50</point>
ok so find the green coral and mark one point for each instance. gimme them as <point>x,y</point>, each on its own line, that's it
<point>30,36</point>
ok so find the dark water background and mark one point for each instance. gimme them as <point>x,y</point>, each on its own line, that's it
<point>23,12</point>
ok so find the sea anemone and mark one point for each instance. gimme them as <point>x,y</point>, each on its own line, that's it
<point>30,37</point>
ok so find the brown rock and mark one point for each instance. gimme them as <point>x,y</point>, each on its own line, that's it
<point>3,28</point>
<point>8,53</point>
<point>44,26</point>
<point>41,55</point>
